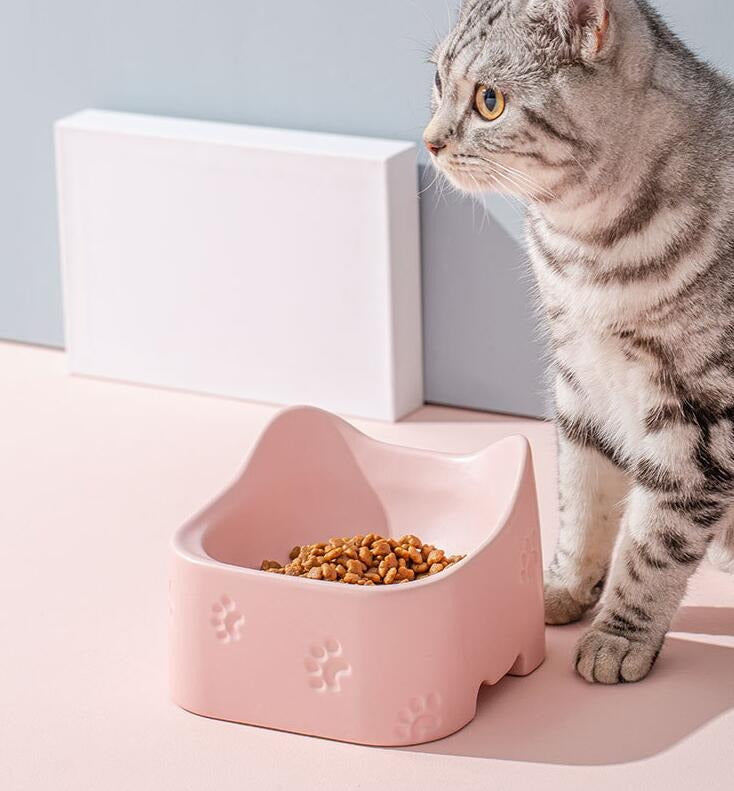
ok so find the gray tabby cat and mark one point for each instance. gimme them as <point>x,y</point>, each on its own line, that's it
<point>622,143</point>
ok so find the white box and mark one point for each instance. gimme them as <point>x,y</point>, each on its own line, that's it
<point>263,264</point>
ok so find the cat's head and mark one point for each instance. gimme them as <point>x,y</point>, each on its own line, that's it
<point>528,92</point>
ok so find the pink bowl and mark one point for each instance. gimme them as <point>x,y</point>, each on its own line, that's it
<point>383,665</point>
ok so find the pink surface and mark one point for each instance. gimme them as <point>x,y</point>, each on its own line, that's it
<point>303,655</point>
<point>95,478</point>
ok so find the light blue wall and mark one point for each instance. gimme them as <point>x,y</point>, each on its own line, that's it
<point>335,65</point>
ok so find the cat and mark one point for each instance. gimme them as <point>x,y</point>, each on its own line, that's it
<point>620,142</point>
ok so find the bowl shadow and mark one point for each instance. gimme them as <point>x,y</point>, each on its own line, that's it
<point>554,717</point>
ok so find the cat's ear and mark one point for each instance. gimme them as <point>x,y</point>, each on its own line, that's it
<point>583,22</point>
<point>592,19</point>
<point>585,13</point>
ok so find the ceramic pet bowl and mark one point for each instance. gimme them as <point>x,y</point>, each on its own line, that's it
<point>382,665</point>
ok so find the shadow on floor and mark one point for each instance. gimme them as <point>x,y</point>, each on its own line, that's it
<point>553,716</point>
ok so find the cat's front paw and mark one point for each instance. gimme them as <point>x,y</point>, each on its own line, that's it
<point>606,658</point>
<point>560,607</point>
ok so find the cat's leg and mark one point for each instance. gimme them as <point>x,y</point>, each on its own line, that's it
<point>591,491</point>
<point>676,509</point>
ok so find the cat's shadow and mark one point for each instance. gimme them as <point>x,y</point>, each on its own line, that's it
<point>554,717</point>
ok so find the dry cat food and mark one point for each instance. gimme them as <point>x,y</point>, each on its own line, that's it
<point>365,560</point>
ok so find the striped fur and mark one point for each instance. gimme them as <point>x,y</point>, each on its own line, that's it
<point>621,143</point>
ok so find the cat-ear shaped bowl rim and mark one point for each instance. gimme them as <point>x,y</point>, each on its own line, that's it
<point>187,541</point>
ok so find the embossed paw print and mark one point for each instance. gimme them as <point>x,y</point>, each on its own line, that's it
<point>528,560</point>
<point>421,719</point>
<point>227,620</point>
<point>326,667</point>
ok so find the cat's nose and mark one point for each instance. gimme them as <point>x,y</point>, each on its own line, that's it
<point>434,146</point>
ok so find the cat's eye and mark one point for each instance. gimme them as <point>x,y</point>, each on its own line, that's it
<point>438,83</point>
<point>490,102</point>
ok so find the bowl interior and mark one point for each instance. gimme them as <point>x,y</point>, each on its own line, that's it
<point>312,477</point>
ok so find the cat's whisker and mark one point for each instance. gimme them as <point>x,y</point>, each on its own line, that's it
<point>428,49</point>
<point>523,176</point>
<point>443,185</point>
<point>435,179</point>
<point>475,201</point>
<point>537,188</point>
<point>513,182</point>
<point>448,14</point>
<point>478,189</point>
<point>511,200</point>
<point>517,206</point>
<point>483,205</point>
<point>519,178</point>
<point>581,166</point>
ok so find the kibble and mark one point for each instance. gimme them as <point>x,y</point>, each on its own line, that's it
<point>355,567</point>
<point>436,556</point>
<point>365,560</point>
